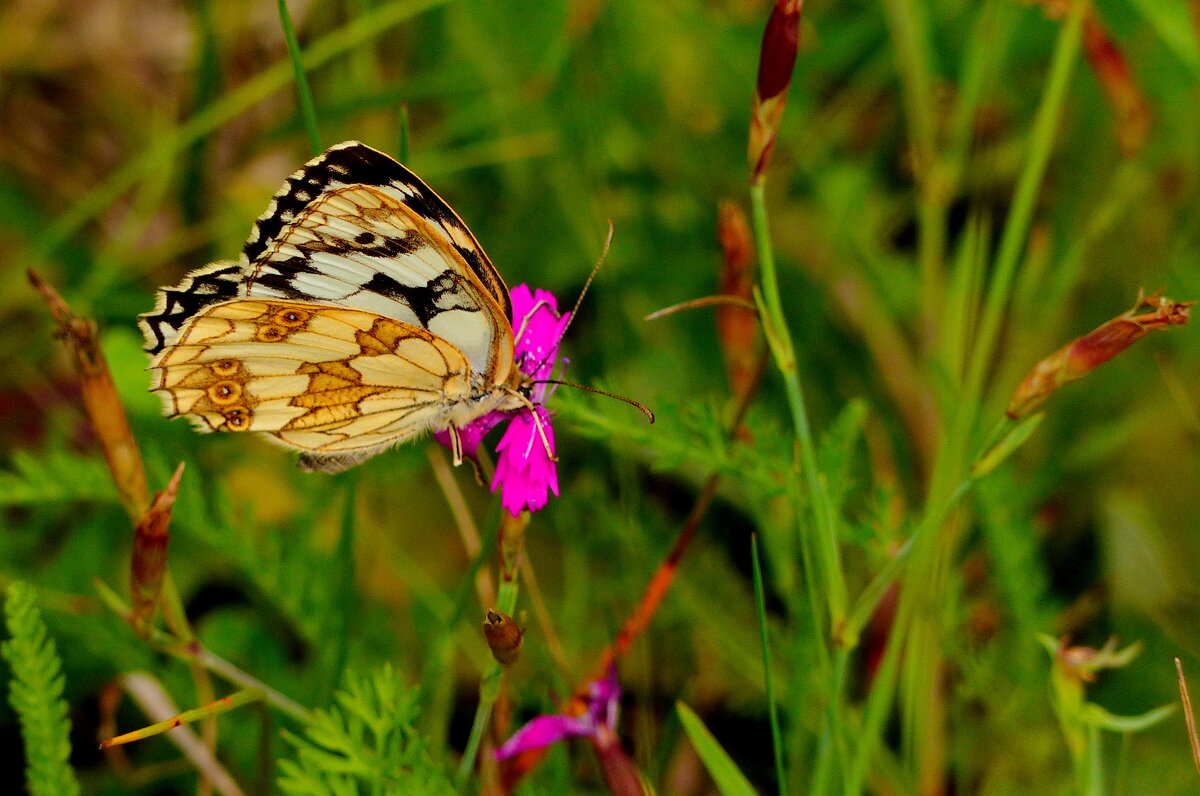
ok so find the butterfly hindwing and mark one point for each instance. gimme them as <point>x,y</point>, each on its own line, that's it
<point>322,379</point>
<point>177,305</point>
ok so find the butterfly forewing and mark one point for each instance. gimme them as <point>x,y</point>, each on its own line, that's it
<point>350,164</point>
<point>359,247</point>
<point>353,163</point>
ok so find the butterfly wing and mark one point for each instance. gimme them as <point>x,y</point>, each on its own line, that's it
<point>355,228</point>
<point>360,247</point>
<point>338,384</point>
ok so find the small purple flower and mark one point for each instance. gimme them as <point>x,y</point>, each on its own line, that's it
<point>598,723</point>
<point>526,472</point>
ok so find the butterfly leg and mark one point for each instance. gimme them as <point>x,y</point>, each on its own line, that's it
<point>456,445</point>
<point>537,423</point>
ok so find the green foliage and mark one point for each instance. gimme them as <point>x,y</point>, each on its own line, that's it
<point>365,743</point>
<point>36,693</point>
<point>55,477</point>
<point>948,202</point>
<point>725,773</point>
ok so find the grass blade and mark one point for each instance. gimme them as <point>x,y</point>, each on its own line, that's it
<point>307,110</point>
<point>760,605</point>
<point>729,778</point>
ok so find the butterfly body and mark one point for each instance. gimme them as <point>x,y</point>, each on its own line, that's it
<point>362,313</point>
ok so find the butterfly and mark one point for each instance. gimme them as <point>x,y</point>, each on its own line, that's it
<point>361,313</point>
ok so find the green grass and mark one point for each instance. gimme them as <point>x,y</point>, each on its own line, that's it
<point>947,203</point>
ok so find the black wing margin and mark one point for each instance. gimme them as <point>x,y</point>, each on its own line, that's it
<point>355,163</point>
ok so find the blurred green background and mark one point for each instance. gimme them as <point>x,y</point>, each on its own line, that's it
<point>141,139</point>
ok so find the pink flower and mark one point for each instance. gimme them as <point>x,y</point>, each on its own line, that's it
<point>526,472</point>
<point>599,722</point>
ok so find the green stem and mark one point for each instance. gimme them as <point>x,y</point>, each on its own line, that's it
<point>307,110</point>
<point>780,340</point>
<point>909,31</point>
<point>760,606</point>
<point>936,539</point>
<point>402,147</point>
<point>222,705</point>
<point>193,652</point>
<point>489,692</point>
<point>1020,217</point>
<point>827,569</point>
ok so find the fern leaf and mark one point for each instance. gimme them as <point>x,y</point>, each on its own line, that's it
<point>364,743</point>
<point>35,692</point>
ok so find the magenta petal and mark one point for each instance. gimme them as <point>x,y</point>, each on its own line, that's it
<point>526,471</point>
<point>543,731</point>
<point>539,328</point>
<point>604,697</point>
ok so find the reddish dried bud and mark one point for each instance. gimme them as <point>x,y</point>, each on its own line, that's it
<point>737,327</point>
<point>776,60</point>
<point>1127,100</point>
<point>100,401</point>
<point>503,636</point>
<point>778,54</point>
<point>1112,71</point>
<point>150,555</point>
<point>1079,357</point>
<point>1082,664</point>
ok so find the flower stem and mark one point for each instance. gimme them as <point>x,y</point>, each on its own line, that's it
<point>194,652</point>
<point>913,655</point>
<point>779,339</point>
<point>489,692</point>
<point>827,565</point>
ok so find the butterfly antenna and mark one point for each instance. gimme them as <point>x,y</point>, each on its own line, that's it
<point>574,310</point>
<point>642,407</point>
<point>603,254</point>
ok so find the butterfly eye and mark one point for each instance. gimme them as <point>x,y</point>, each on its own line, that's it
<point>291,318</point>
<point>224,367</point>
<point>272,333</point>
<point>237,418</point>
<point>225,392</point>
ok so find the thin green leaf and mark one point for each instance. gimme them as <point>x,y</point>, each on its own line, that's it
<point>729,778</point>
<point>1014,439</point>
<point>307,110</point>
<point>760,605</point>
<point>1097,716</point>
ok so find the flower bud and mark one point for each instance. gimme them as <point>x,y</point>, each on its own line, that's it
<point>1080,356</point>
<point>1112,71</point>
<point>100,401</point>
<point>503,636</point>
<point>149,560</point>
<point>777,58</point>
<point>737,327</point>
